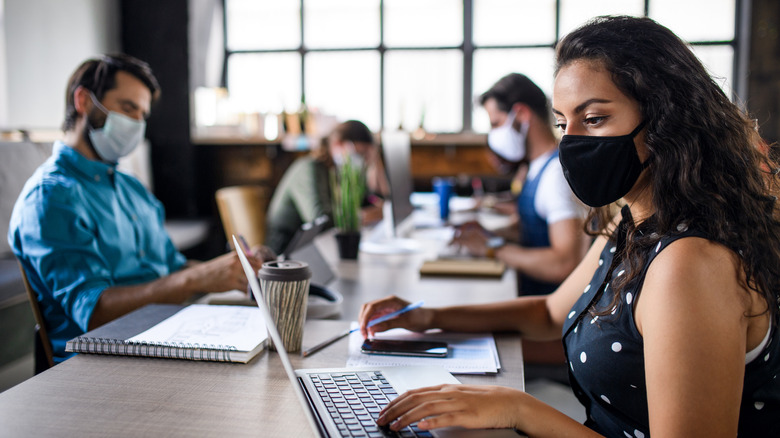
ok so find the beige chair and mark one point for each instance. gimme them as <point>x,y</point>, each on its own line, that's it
<point>44,355</point>
<point>242,210</point>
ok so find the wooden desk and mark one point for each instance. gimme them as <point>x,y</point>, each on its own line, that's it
<point>91,395</point>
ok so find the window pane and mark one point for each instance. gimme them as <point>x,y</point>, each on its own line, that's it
<point>341,23</point>
<point>696,20</point>
<point>263,25</point>
<point>424,83</point>
<point>344,84</point>
<point>514,22</point>
<point>490,65</point>
<point>719,61</point>
<point>412,23</point>
<point>576,12</point>
<point>265,82</point>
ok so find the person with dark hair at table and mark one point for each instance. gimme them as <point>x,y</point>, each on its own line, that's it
<point>670,322</point>
<point>89,237</point>
<point>304,193</point>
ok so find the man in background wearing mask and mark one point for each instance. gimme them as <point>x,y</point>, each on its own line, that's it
<point>549,240</point>
<point>90,238</point>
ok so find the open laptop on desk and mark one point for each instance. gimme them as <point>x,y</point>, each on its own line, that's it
<point>323,302</point>
<point>344,402</point>
<point>304,236</point>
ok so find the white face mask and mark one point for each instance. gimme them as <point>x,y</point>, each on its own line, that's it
<point>507,142</point>
<point>119,136</point>
<point>355,158</point>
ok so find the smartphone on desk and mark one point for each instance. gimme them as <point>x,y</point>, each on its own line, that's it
<point>397,347</point>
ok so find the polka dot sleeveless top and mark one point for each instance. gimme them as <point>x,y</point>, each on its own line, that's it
<point>606,361</point>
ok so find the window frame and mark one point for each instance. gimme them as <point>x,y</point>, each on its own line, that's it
<point>739,44</point>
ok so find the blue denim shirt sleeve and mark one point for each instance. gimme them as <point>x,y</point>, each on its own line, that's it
<point>57,241</point>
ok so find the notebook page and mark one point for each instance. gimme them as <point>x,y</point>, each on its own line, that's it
<point>241,327</point>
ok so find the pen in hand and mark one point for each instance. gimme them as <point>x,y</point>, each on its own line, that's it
<point>245,245</point>
<point>371,323</point>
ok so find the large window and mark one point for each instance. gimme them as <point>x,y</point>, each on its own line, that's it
<point>394,63</point>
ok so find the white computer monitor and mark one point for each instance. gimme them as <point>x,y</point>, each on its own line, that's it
<point>397,151</point>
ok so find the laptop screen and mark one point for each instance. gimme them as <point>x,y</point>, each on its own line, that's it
<point>305,235</point>
<point>321,274</point>
<point>397,150</point>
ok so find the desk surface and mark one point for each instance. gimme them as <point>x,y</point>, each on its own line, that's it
<point>121,396</point>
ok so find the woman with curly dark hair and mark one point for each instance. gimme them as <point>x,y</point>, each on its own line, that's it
<point>670,322</point>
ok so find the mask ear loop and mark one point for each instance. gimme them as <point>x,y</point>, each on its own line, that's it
<point>97,102</point>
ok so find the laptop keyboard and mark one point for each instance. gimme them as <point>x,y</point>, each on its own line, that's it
<point>354,401</point>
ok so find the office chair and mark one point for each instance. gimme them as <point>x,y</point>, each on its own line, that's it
<point>242,211</point>
<point>44,355</point>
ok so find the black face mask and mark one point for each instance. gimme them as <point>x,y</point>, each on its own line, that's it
<point>601,170</point>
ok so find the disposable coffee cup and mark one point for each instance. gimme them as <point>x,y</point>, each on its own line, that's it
<point>285,286</point>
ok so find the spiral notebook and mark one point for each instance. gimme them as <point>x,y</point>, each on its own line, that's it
<point>195,332</point>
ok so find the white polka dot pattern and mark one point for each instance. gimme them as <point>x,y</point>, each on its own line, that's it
<point>583,357</point>
<point>758,405</point>
<point>638,434</point>
<point>612,250</point>
<point>616,347</point>
<point>604,397</point>
<point>587,288</point>
<point>571,314</point>
<point>629,298</point>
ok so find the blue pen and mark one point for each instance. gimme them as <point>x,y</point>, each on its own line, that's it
<point>247,251</point>
<point>371,323</point>
<point>392,315</point>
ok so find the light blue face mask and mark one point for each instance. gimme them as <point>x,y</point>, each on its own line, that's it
<point>118,137</point>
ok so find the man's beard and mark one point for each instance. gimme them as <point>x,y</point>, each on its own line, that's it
<point>95,120</point>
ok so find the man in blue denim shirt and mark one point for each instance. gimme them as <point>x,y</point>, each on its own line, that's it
<point>90,238</point>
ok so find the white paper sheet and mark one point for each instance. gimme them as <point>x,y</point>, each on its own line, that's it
<point>238,326</point>
<point>470,353</point>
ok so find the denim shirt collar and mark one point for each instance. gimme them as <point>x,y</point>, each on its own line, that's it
<point>91,169</point>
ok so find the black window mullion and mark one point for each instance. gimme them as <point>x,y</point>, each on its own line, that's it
<point>468,62</point>
<point>382,51</point>
<point>226,52</point>
<point>302,50</point>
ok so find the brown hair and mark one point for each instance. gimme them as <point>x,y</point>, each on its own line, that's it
<point>351,130</point>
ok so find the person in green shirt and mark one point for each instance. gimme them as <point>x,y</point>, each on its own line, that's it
<point>304,191</point>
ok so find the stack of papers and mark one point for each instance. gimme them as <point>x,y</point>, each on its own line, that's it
<point>469,353</point>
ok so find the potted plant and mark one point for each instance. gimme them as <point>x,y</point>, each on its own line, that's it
<point>348,187</point>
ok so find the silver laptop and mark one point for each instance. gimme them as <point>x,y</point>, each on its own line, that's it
<point>345,402</point>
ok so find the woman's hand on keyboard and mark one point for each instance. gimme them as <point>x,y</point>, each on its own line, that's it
<point>470,406</point>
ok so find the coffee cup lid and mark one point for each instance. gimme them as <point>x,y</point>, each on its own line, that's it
<point>287,270</point>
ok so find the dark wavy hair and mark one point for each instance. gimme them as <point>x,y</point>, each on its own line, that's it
<point>708,167</point>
